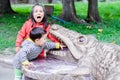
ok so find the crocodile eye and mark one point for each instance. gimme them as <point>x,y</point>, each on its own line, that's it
<point>81,39</point>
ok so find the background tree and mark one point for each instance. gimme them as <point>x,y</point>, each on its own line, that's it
<point>5,7</point>
<point>49,1</point>
<point>69,12</point>
<point>93,15</point>
<point>37,1</point>
<point>78,0</point>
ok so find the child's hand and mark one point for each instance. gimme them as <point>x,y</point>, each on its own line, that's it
<point>29,65</point>
<point>62,46</point>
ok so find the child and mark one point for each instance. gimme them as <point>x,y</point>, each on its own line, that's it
<point>30,50</point>
<point>37,18</point>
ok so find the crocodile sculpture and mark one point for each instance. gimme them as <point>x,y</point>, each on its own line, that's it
<point>85,58</point>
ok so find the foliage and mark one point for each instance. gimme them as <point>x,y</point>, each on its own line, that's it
<point>107,31</point>
<point>22,8</point>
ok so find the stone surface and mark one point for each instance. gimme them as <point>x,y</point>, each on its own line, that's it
<point>52,69</point>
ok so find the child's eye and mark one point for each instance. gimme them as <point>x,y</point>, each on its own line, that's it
<point>41,11</point>
<point>36,11</point>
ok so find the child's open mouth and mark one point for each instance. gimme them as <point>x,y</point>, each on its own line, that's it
<point>38,17</point>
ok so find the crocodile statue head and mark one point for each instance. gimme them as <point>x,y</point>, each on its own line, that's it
<point>94,60</point>
<point>76,43</point>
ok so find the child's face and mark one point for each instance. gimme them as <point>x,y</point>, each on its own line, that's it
<point>41,41</point>
<point>38,13</point>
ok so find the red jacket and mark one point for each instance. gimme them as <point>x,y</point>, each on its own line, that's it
<point>25,30</point>
<point>27,27</point>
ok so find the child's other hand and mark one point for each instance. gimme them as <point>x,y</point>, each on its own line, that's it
<point>17,49</point>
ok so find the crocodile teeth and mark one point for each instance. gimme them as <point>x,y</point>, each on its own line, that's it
<point>63,54</point>
<point>59,53</point>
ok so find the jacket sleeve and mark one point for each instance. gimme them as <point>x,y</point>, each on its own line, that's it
<point>23,54</point>
<point>51,37</point>
<point>22,34</point>
<point>51,45</point>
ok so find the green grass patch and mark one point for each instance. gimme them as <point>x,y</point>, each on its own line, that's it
<point>109,13</point>
<point>9,26</point>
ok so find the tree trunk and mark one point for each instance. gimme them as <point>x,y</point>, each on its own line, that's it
<point>5,7</point>
<point>37,1</point>
<point>78,0</point>
<point>49,1</point>
<point>69,12</point>
<point>93,15</point>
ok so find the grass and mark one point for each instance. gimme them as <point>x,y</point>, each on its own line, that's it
<point>9,26</point>
<point>109,13</point>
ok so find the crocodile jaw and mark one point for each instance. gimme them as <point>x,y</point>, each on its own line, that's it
<point>68,42</point>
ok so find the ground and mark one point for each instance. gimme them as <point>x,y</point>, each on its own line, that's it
<point>6,73</point>
<point>6,70</point>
